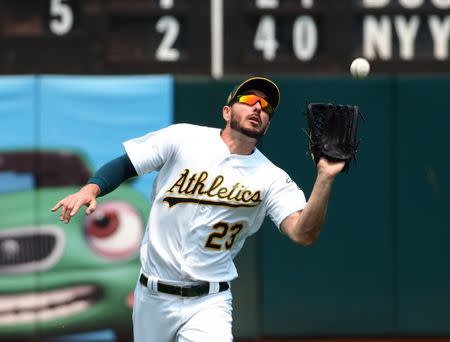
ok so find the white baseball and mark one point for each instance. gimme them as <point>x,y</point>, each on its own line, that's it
<point>360,68</point>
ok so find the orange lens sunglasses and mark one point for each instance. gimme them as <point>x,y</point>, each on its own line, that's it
<point>251,99</point>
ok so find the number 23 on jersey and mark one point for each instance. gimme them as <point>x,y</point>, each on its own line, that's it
<point>223,236</point>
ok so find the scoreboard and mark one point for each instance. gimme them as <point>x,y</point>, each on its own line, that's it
<point>220,37</point>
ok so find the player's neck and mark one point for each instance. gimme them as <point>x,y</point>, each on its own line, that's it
<point>238,143</point>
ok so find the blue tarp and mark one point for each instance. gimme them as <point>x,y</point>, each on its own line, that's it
<point>91,114</point>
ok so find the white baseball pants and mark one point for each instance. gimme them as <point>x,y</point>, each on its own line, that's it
<point>161,317</point>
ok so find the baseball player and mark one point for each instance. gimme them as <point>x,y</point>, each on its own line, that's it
<point>213,190</point>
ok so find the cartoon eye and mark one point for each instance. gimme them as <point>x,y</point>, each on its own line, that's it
<point>114,231</point>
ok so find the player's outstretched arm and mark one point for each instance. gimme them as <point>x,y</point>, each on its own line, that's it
<point>71,204</point>
<point>105,180</point>
<point>304,226</point>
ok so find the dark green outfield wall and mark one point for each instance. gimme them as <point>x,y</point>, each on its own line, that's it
<point>382,263</point>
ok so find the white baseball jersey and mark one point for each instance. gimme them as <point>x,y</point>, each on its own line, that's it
<point>205,201</point>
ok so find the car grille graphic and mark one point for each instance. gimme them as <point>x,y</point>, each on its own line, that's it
<point>30,249</point>
<point>25,249</point>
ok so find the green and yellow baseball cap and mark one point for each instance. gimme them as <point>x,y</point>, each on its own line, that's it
<point>263,84</point>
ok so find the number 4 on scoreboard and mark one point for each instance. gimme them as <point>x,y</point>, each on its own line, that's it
<point>265,38</point>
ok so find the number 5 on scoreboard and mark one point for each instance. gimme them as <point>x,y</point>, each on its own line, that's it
<point>61,17</point>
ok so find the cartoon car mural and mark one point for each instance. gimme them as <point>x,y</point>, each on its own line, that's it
<point>55,278</point>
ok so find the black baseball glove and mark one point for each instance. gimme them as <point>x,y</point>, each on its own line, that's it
<point>332,132</point>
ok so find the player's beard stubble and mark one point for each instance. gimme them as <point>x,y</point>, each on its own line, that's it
<point>255,133</point>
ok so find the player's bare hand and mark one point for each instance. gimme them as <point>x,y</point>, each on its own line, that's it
<point>329,168</point>
<point>71,204</point>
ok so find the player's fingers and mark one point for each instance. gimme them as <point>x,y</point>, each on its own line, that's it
<point>61,203</point>
<point>64,211</point>
<point>57,206</point>
<point>91,207</point>
<point>67,209</point>
<point>76,206</point>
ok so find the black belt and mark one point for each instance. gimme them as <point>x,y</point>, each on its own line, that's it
<point>184,291</point>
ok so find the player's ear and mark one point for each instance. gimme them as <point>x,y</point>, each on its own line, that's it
<point>226,113</point>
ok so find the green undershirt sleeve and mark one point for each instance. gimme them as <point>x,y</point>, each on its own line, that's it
<point>112,174</point>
